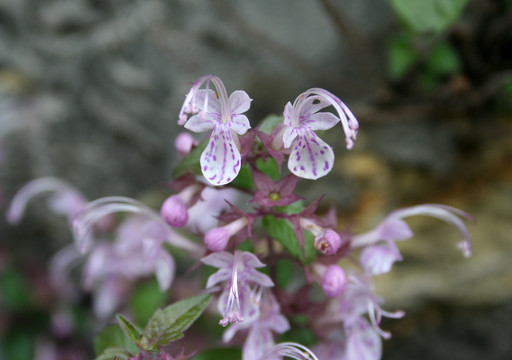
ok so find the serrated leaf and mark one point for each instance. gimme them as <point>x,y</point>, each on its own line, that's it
<point>282,230</point>
<point>191,161</point>
<point>116,353</point>
<point>269,123</point>
<point>429,16</point>
<point>112,336</point>
<point>169,324</point>
<point>129,329</point>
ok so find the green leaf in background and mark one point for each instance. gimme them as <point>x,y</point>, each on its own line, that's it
<point>285,271</point>
<point>146,298</point>
<point>428,16</point>
<point>169,324</point>
<point>443,60</point>
<point>282,230</point>
<point>224,354</point>
<point>191,161</point>
<point>244,179</point>
<point>269,167</point>
<point>269,123</point>
<point>129,329</point>
<point>113,337</point>
<point>14,290</point>
<point>115,353</point>
<point>18,345</point>
<point>401,56</point>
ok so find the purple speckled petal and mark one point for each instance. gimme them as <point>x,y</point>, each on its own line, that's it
<point>239,124</point>
<point>220,161</point>
<point>322,121</point>
<point>239,102</point>
<point>199,123</point>
<point>311,157</point>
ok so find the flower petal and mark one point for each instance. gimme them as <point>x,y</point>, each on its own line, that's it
<point>165,269</point>
<point>220,161</point>
<point>206,100</point>
<point>322,121</point>
<point>289,134</point>
<point>239,102</point>
<point>311,157</point>
<point>219,259</point>
<point>219,276</point>
<point>239,124</point>
<point>199,123</point>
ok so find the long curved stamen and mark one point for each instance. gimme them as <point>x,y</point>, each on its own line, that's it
<point>35,189</point>
<point>347,118</point>
<point>292,350</point>
<point>95,210</point>
<point>442,212</point>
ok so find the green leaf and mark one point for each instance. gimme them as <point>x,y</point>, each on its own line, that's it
<point>115,353</point>
<point>244,179</point>
<point>443,60</point>
<point>169,324</point>
<point>146,298</point>
<point>14,290</point>
<point>269,167</point>
<point>293,208</point>
<point>191,161</point>
<point>285,272</point>
<point>110,337</point>
<point>282,230</point>
<point>428,16</point>
<point>224,354</point>
<point>269,123</point>
<point>129,329</point>
<point>401,56</point>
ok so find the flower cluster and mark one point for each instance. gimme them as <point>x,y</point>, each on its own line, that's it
<point>250,242</point>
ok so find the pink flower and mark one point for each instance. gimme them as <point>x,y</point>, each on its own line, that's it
<point>240,270</point>
<point>311,157</point>
<point>378,259</point>
<point>214,110</point>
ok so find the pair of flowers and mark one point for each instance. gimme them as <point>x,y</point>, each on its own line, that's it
<point>310,157</point>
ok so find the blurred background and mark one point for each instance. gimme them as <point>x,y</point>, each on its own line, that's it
<point>90,91</point>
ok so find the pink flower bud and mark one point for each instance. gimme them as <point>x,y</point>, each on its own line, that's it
<point>184,143</point>
<point>328,242</point>
<point>174,211</point>
<point>334,281</point>
<point>217,239</point>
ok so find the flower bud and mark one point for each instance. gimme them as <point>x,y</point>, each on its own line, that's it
<point>217,239</point>
<point>334,281</point>
<point>328,242</point>
<point>184,143</point>
<point>174,211</point>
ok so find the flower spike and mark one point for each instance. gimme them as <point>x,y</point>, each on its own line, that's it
<point>214,110</point>
<point>311,157</point>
